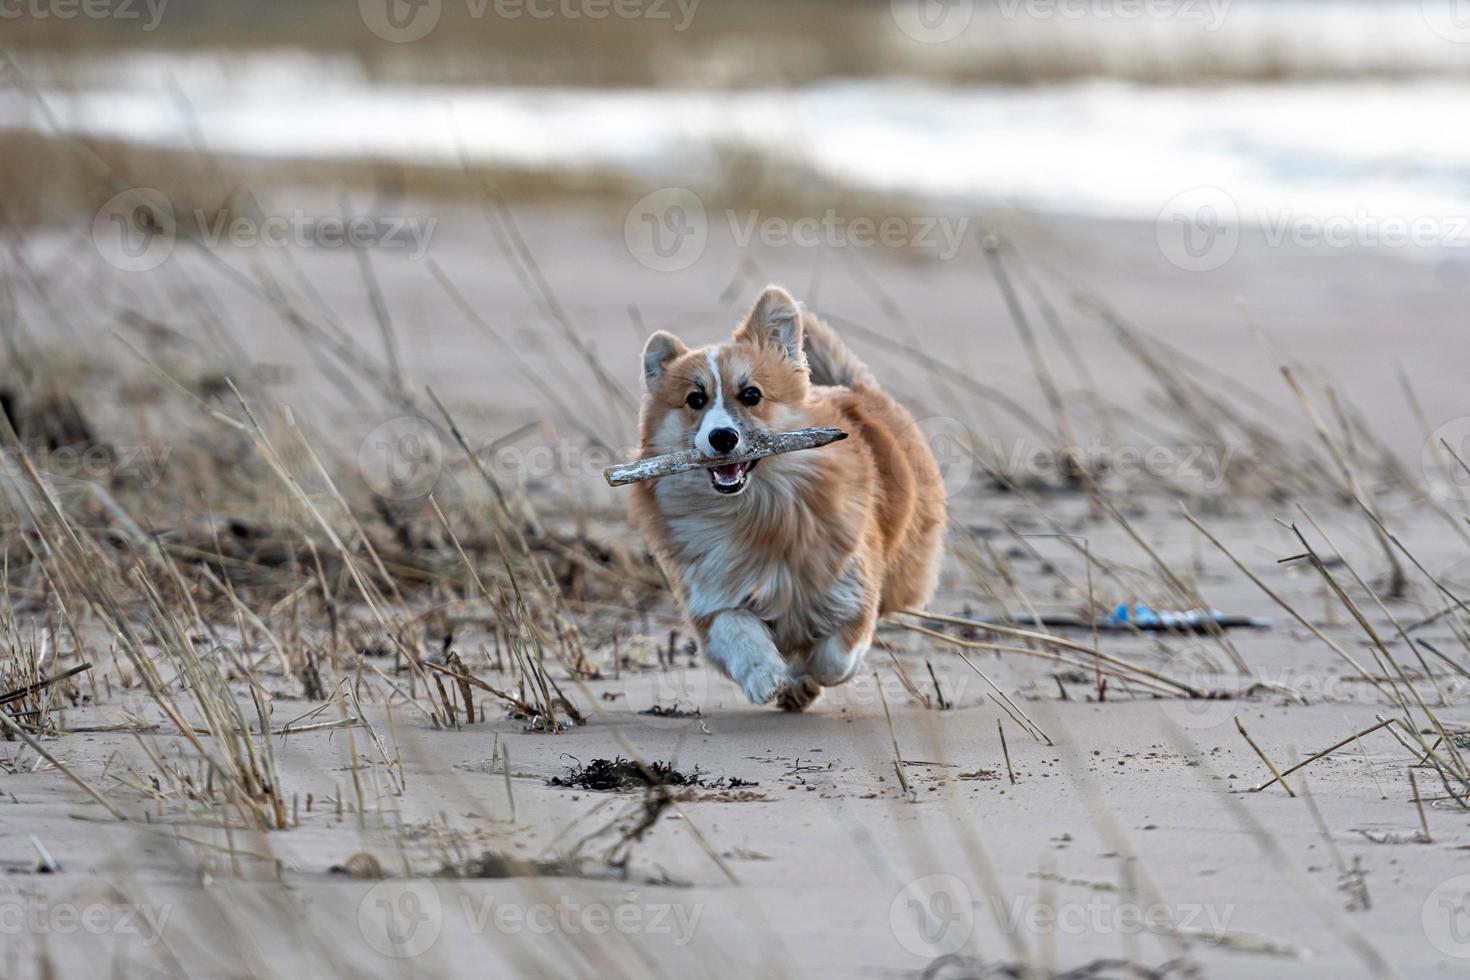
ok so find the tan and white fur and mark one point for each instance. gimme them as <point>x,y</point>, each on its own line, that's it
<point>784,566</point>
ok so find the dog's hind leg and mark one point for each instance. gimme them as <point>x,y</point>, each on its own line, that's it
<point>798,695</point>
<point>740,644</point>
<point>836,657</point>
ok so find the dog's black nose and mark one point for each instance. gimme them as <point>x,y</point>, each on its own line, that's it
<point>724,440</point>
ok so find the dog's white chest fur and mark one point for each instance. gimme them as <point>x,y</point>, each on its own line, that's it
<point>803,586</point>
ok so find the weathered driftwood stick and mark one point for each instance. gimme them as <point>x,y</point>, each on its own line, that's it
<point>669,464</point>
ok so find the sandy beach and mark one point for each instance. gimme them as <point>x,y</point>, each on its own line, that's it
<point>1125,829</point>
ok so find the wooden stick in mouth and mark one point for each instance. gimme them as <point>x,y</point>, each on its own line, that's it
<point>761,446</point>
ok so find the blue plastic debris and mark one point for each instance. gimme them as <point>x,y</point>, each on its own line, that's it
<point>1146,617</point>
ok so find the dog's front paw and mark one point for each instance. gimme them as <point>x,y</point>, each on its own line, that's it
<point>762,681</point>
<point>740,644</point>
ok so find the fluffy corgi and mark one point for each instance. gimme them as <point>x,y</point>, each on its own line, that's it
<point>784,565</point>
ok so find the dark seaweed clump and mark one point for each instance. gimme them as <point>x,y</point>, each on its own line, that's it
<point>619,775</point>
<point>659,711</point>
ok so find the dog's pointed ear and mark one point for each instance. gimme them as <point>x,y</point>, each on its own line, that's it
<point>661,348</point>
<point>775,321</point>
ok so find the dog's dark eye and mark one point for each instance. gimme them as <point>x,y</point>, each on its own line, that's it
<point>696,400</point>
<point>750,396</point>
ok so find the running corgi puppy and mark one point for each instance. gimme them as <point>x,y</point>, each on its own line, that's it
<point>784,565</point>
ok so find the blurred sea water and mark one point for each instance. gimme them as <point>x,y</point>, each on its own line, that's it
<point>1390,148</point>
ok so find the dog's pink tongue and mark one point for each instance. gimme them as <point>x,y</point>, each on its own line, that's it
<point>728,474</point>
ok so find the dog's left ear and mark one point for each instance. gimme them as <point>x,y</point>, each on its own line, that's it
<point>775,322</point>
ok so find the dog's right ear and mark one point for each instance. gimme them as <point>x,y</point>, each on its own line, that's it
<point>661,348</point>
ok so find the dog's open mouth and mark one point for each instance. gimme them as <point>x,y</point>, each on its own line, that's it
<point>731,478</point>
